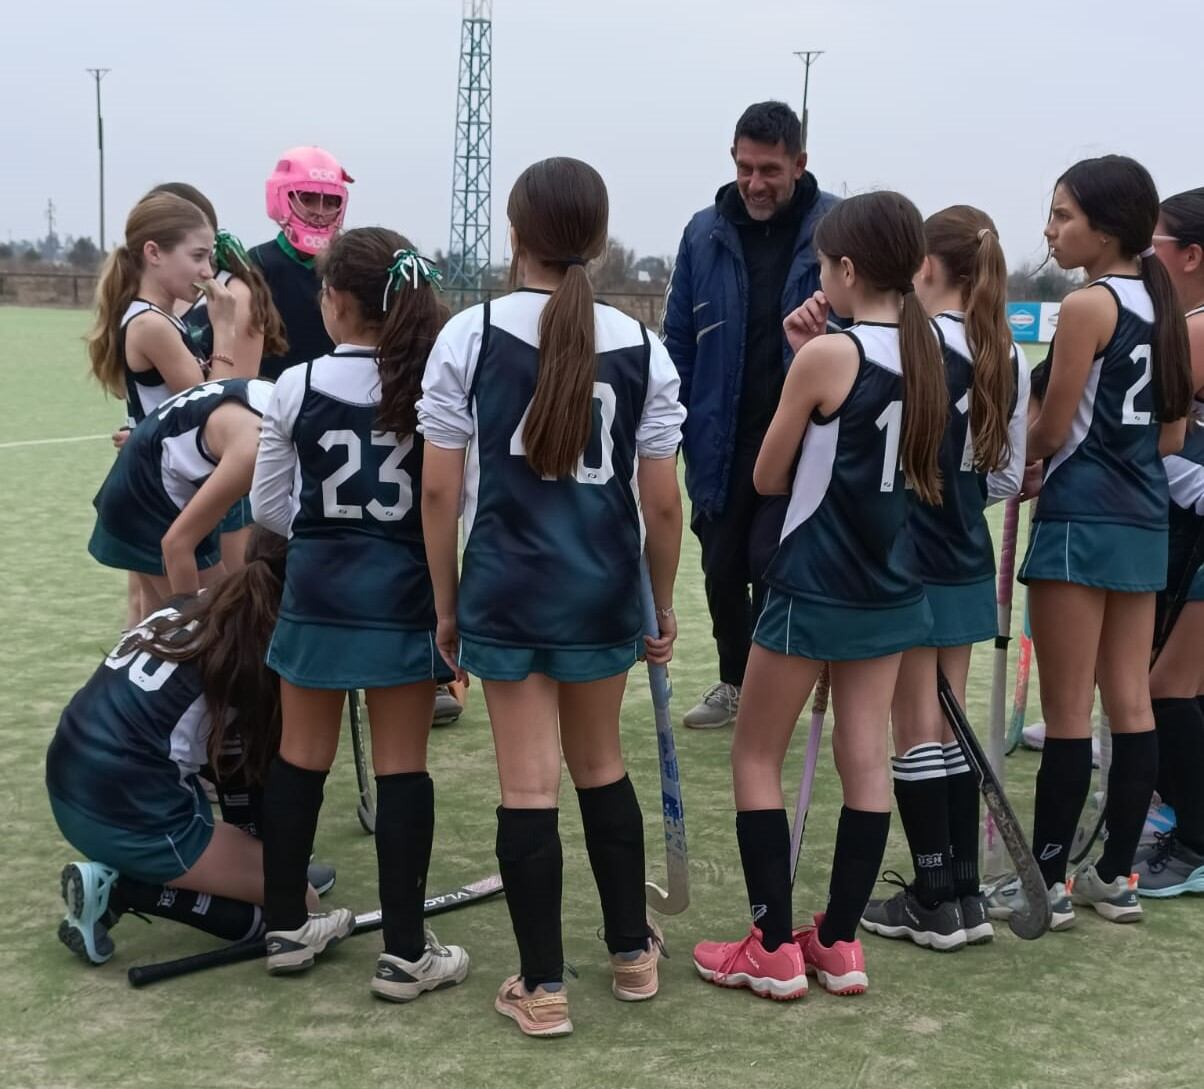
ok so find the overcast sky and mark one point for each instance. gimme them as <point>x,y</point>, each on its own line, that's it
<point>982,103</point>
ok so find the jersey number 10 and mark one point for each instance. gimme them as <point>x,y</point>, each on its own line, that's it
<point>604,395</point>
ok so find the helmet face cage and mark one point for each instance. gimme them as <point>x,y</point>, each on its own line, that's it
<point>307,197</point>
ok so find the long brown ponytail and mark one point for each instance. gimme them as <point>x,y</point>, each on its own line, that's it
<point>404,309</point>
<point>559,210</point>
<point>162,218</point>
<point>966,243</point>
<point>226,631</point>
<point>883,236</point>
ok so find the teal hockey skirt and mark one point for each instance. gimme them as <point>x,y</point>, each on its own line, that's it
<point>961,614</point>
<point>334,656</point>
<point>826,632</point>
<point>492,662</point>
<point>1103,555</point>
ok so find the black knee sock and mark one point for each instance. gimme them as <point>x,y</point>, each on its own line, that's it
<point>292,799</point>
<point>240,799</point>
<point>1130,786</point>
<point>923,801</point>
<point>764,839</point>
<point>233,920</point>
<point>614,838</point>
<point>860,845</point>
<point>405,829</point>
<point>1180,726</point>
<point>964,799</point>
<point>1063,782</point>
<point>531,865</point>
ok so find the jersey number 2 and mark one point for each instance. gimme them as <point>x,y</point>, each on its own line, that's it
<point>604,394</point>
<point>390,472</point>
<point>1129,414</point>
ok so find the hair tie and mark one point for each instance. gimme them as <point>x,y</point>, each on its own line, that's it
<point>1147,252</point>
<point>983,233</point>
<point>227,246</point>
<point>409,266</point>
<point>574,261</point>
<point>909,289</point>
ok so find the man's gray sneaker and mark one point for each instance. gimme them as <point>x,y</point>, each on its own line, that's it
<point>717,708</point>
<point>439,966</point>
<point>1115,900</point>
<point>903,916</point>
<point>294,950</point>
<point>1007,895</point>
<point>976,920</point>
<point>447,707</point>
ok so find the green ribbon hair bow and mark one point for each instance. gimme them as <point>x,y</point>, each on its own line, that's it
<point>227,249</point>
<point>408,267</point>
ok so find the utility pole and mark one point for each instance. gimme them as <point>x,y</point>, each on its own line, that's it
<point>808,57</point>
<point>98,74</point>
<point>49,217</point>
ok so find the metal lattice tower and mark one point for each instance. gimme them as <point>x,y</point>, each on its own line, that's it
<point>468,250</point>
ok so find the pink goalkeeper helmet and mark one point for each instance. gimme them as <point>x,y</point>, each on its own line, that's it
<point>307,197</point>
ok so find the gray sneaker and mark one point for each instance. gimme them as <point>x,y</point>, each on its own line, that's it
<point>1115,900</point>
<point>903,916</point>
<point>717,708</point>
<point>447,707</point>
<point>1171,869</point>
<point>1007,895</point>
<point>976,920</point>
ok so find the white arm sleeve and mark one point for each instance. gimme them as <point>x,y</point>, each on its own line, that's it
<point>1005,483</point>
<point>1186,482</point>
<point>444,413</point>
<point>659,431</point>
<point>273,503</point>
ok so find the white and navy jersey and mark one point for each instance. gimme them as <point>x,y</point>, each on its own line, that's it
<point>196,322</point>
<point>165,460</point>
<point>1185,472</point>
<point>146,390</point>
<point>548,563</point>
<point>130,739</point>
<point>348,496</point>
<point>848,503</point>
<point>952,543</point>
<point>295,285</point>
<point>1108,469</point>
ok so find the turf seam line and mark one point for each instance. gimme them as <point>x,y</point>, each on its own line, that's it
<point>51,442</point>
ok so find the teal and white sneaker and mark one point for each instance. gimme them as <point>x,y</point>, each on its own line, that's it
<point>1007,895</point>
<point>85,931</point>
<point>1159,821</point>
<point>1171,869</point>
<point>1115,901</point>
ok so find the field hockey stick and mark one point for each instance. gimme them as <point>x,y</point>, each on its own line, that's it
<point>1015,730</point>
<point>677,898</point>
<point>996,730</point>
<point>1033,921</point>
<point>142,974</point>
<point>802,806</point>
<point>366,806</point>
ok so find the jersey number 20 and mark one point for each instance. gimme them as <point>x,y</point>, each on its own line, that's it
<point>604,394</point>
<point>390,472</point>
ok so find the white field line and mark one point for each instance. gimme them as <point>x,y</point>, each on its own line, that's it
<point>51,442</point>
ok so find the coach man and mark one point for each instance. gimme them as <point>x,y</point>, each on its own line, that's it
<point>744,263</point>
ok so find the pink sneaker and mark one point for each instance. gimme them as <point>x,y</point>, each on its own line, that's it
<point>839,968</point>
<point>780,975</point>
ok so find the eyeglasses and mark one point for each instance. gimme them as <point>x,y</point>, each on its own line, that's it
<point>1166,238</point>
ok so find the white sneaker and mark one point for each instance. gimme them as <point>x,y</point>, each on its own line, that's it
<point>1007,895</point>
<point>439,966</point>
<point>294,950</point>
<point>447,707</point>
<point>717,708</point>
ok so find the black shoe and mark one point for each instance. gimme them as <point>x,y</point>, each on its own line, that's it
<point>976,920</point>
<point>903,916</point>
<point>321,877</point>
